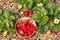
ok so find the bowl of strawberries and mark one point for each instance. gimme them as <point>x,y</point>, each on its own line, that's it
<point>25,27</point>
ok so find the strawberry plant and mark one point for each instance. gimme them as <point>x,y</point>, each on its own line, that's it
<point>7,20</point>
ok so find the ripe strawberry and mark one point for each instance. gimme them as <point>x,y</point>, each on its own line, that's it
<point>26,13</point>
<point>25,23</point>
<point>24,28</point>
<point>28,21</point>
<point>21,23</point>
<point>29,33</point>
<point>18,25</point>
<point>28,26</point>
<point>32,28</point>
<point>30,12</point>
<point>55,32</point>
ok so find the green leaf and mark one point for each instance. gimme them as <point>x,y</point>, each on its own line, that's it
<point>36,17</point>
<point>12,17</point>
<point>43,11</point>
<point>44,20</point>
<point>0,11</point>
<point>6,13</point>
<point>51,5</point>
<point>0,21</point>
<point>46,28</point>
<point>11,23</point>
<point>1,17</point>
<point>56,11</point>
<point>37,1</point>
<point>50,12</point>
<point>22,1</point>
<point>6,26</point>
<point>42,29</point>
<point>5,21</point>
<point>1,26</point>
<point>58,16</point>
<point>52,18</point>
<point>46,1</point>
<point>51,24</point>
<point>29,4</point>
<point>11,30</point>
<point>36,8</point>
<point>57,27</point>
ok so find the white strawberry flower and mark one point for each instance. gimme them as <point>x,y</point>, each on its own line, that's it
<point>41,4</point>
<point>38,4</point>
<point>56,21</point>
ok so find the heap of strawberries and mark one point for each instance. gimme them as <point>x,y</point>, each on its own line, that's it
<point>25,28</point>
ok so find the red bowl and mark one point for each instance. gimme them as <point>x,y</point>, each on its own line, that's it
<point>33,22</point>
